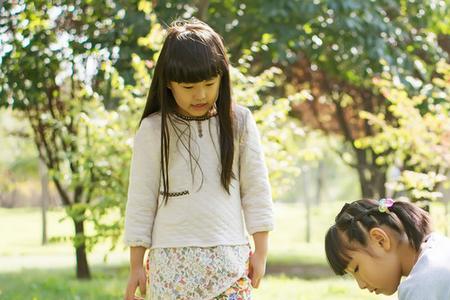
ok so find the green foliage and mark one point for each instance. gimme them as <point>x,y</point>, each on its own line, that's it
<point>346,39</point>
<point>79,71</point>
<point>418,141</point>
<point>83,124</point>
<point>44,41</point>
<point>332,49</point>
<point>271,114</point>
<point>282,137</point>
<point>67,67</point>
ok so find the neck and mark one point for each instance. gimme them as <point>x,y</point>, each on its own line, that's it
<point>211,113</point>
<point>408,256</point>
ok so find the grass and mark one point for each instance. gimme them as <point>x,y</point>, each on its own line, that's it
<point>108,284</point>
<point>61,284</point>
<point>29,270</point>
<point>282,287</point>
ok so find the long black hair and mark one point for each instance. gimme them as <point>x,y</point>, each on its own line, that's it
<point>357,218</point>
<point>192,52</point>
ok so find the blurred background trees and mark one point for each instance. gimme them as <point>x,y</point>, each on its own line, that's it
<point>362,82</point>
<point>332,50</point>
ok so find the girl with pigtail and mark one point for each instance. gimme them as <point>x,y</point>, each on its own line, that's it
<point>379,242</point>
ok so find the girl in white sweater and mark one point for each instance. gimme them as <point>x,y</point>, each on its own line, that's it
<point>198,182</point>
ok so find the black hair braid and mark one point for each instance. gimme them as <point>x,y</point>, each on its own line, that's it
<point>416,222</point>
<point>356,218</point>
<point>401,216</point>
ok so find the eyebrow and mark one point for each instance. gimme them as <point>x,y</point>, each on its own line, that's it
<point>206,80</point>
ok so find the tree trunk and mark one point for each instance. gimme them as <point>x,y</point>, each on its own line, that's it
<point>202,6</point>
<point>446,217</point>
<point>361,168</point>
<point>320,180</point>
<point>44,198</point>
<point>307,206</point>
<point>380,180</point>
<point>372,178</point>
<point>83,271</point>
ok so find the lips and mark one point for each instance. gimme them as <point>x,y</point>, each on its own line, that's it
<point>199,106</point>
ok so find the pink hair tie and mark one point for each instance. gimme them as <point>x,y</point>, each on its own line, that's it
<point>384,204</point>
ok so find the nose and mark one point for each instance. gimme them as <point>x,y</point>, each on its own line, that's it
<point>362,285</point>
<point>201,94</point>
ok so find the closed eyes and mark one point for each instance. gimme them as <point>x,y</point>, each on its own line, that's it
<point>355,270</point>
<point>191,86</point>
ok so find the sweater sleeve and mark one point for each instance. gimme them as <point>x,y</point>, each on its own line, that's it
<point>143,186</point>
<point>255,189</point>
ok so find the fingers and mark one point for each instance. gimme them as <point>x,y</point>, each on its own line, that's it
<point>143,285</point>
<point>250,270</point>
<point>256,272</point>
<point>255,281</point>
<point>129,293</point>
<point>254,276</point>
<point>132,286</point>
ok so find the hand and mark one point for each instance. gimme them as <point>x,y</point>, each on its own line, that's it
<point>257,268</point>
<point>137,279</point>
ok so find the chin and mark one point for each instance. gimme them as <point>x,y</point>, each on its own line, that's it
<point>388,293</point>
<point>199,113</point>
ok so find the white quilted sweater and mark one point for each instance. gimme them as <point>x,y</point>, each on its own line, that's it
<point>199,211</point>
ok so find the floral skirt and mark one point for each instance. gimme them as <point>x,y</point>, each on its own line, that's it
<point>240,290</point>
<point>195,273</point>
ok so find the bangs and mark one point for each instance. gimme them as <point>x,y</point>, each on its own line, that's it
<point>193,59</point>
<point>336,251</point>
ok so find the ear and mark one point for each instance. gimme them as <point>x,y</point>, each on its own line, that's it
<point>380,238</point>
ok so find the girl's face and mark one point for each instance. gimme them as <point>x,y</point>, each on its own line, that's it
<point>377,267</point>
<point>195,99</point>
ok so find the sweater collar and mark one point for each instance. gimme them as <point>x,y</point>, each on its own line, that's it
<point>211,113</point>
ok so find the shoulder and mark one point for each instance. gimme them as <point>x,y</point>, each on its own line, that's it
<point>152,121</point>
<point>436,252</point>
<point>240,110</point>
<point>149,128</point>
<point>435,256</point>
<point>431,273</point>
<point>431,284</point>
<point>242,116</point>
<point>241,113</point>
